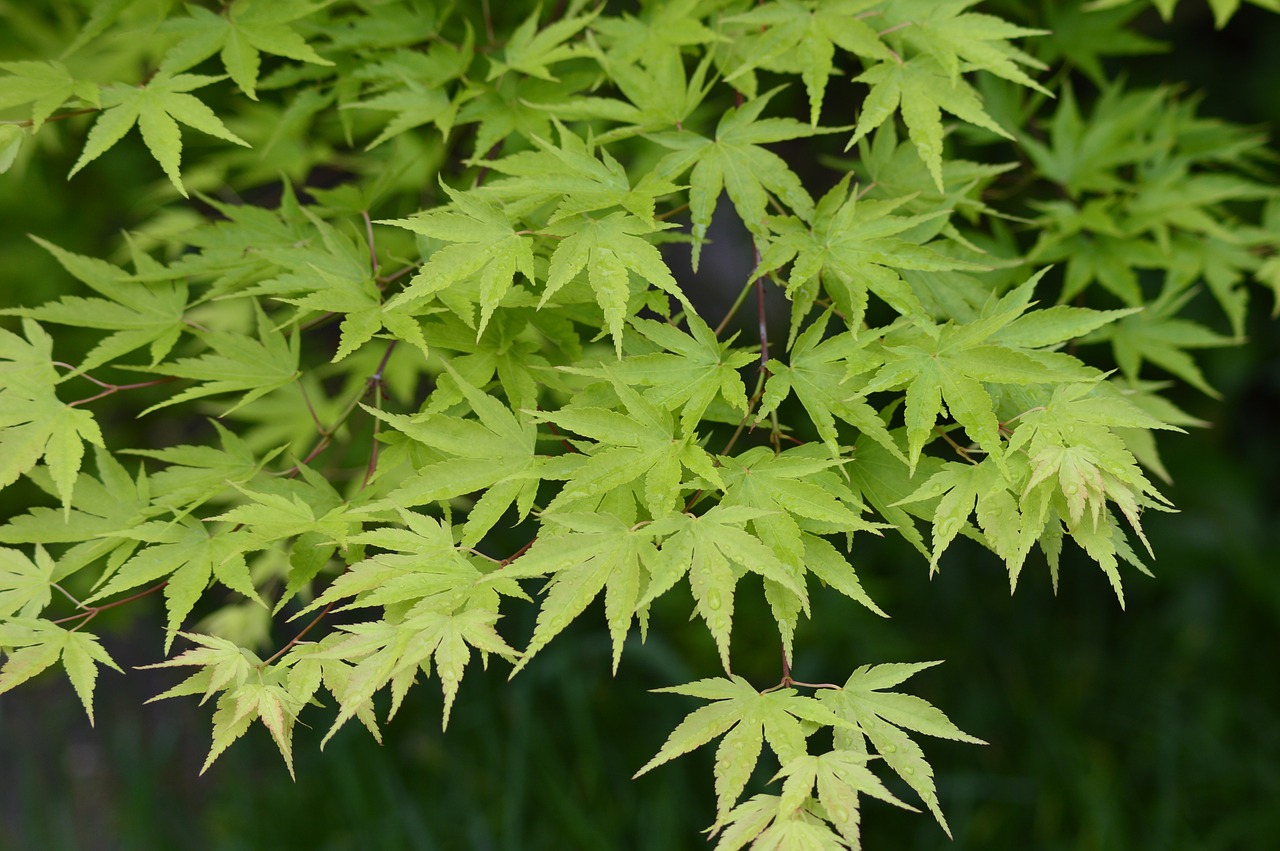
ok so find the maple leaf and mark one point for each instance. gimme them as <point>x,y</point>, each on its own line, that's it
<point>881,716</point>
<point>734,161</point>
<point>693,370</point>
<point>1084,35</point>
<point>156,107</point>
<point>795,496</point>
<point>839,775</point>
<point>747,719</point>
<point>100,507</point>
<point>852,247</point>
<point>139,314</point>
<point>34,423</point>
<point>247,691</point>
<point>805,35</point>
<point>593,553</point>
<point>572,172</point>
<point>386,651</point>
<point>411,83</point>
<point>240,34</point>
<point>921,88</point>
<point>187,557</point>
<point>199,473</point>
<point>495,453</point>
<point>650,37</point>
<point>26,586</point>
<point>485,241</point>
<point>1156,335</point>
<point>659,94</point>
<point>33,646</point>
<point>641,442</point>
<point>610,249</point>
<point>335,277</point>
<point>950,365</point>
<point>815,373</point>
<point>516,104</point>
<point>237,363</point>
<point>44,85</point>
<point>714,550</point>
<point>422,562</point>
<point>530,50</point>
<point>960,40</point>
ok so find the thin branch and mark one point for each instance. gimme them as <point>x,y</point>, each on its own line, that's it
<point>293,641</point>
<point>28,122</point>
<point>110,388</point>
<point>92,611</point>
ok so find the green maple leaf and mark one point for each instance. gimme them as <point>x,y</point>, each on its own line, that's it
<point>921,88</point>
<point>714,551</point>
<point>659,94</point>
<point>26,586</point>
<point>693,370</point>
<point>139,314</point>
<point>839,776</point>
<point>641,442</point>
<point>198,473</point>
<point>495,453</point>
<point>238,363</point>
<point>40,644</point>
<point>156,107</point>
<point>794,496</point>
<point>412,85</point>
<point>34,423</point>
<point>853,247</point>
<point>572,172</point>
<point>594,553</point>
<point>650,37</point>
<point>807,34</point>
<point>1078,463</point>
<point>961,487</point>
<point>1084,36</point>
<point>531,51</point>
<point>610,249</point>
<point>958,40</point>
<point>484,242</point>
<point>747,719</point>
<point>187,557</point>
<point>881,716</point>
<point>336,277</point>
<point>240,33</point>
<point>44,85</point>
<point>100,507</point>
<point>951,364</point>
<point>388,651</point>
<point>247,691</point>
<point>422,562</point>
<point>735,161</point>
<point>1157,336</point>
<point>1085,156</point>
<point>815,372</point>
<point>516,104</point>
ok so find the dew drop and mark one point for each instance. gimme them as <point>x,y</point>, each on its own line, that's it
<point>713,601</point>
<point>891,749</point>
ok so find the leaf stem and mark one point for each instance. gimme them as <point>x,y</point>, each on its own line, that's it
<point>293,641</point>
<point>110,388</point>
<point>92,612</point>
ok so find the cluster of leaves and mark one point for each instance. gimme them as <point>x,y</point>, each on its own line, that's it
<point>467,375</point>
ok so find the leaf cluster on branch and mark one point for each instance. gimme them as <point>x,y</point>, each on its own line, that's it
<point>464,377</point>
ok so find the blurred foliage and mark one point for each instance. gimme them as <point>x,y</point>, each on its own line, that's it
<point>1158,728</point>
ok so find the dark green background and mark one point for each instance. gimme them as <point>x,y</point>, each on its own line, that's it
<point>1155,728</point>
